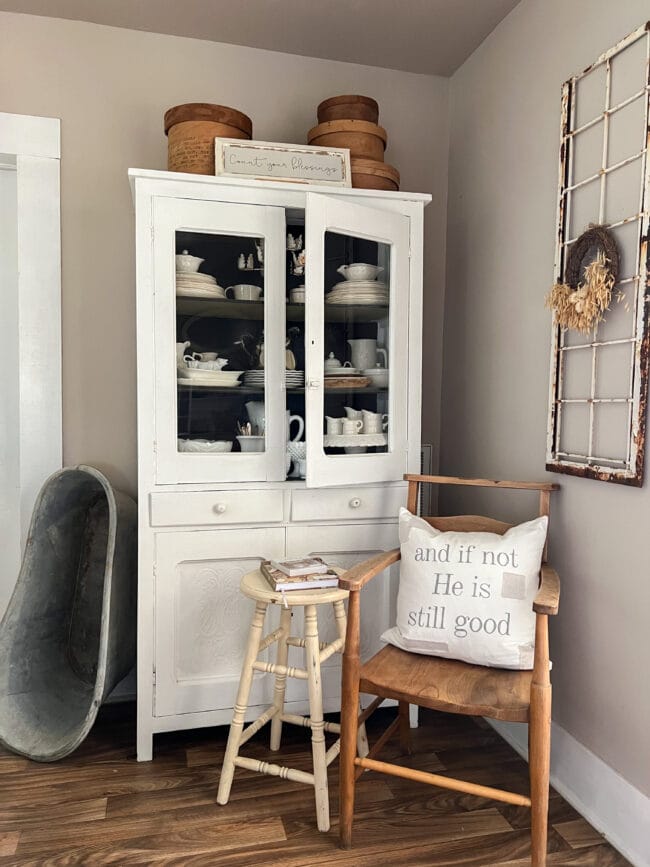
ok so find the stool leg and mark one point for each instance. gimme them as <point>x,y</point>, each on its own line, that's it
<point>241,703</point>
<point>280,679</point>
<point>341,625</point>
<point>312,653</point>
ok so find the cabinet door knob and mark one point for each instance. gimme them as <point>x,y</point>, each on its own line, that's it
<point>313,383</point>
<point>355,502</point>
<point>220,508</point>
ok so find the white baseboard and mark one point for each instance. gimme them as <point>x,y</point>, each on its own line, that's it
<point>613,806</point>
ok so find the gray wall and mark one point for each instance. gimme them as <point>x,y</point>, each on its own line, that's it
<point>111,87</point>
<point>504,137</point>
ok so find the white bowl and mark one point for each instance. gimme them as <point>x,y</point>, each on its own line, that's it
<point>297,296</point>
<point>204,445</point>
<point>378,376</point>
<point>359,271</point>
<point>186,262</point>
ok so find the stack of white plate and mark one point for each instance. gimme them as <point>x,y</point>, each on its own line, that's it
<point>191,284</point>
<point>295,378</point>
<point>358,292</point>
<point>254,378</point>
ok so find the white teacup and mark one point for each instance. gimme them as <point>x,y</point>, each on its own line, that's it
<point>244,292</point>
<point>206,356</point>
<point>351,426</point>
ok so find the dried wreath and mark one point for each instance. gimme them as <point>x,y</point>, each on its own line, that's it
<point>582,305</point>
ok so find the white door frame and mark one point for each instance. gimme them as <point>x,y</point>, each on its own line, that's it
<point>31,146</point>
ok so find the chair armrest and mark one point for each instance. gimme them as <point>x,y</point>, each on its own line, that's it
<point>355,578</point>
<point>547,600</point>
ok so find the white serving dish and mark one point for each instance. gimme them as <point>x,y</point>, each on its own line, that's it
<point>359,271</point>
<point>186,262</point>
<point>355,287</point>
<point>341,371</point>
<point>204,445</point>
<point>378,375</point>
<point>218,377</point>
<point>200,292</point>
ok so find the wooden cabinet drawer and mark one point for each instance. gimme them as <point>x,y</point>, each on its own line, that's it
<point>216,508</point>
<point>353,503</point>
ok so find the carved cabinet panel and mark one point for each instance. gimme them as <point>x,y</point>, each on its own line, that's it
<point>202,619</point>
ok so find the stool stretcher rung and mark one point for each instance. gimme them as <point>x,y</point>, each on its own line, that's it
<point>274,668</point>
<point>304,721</point>
<point>333,752</point>
<point>257,724</point>
<point>275,770</point>
<point>294,641</point>
<point>444,782</point>
<point>269,639</point>
<point>331,649</point>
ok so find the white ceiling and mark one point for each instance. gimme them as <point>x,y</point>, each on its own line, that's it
<point>428,36</point>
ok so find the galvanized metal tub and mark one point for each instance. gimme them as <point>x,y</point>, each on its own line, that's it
<point>69,633</point>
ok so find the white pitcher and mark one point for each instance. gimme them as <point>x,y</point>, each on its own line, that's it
<point>364,353</point>
<point>301,427</point>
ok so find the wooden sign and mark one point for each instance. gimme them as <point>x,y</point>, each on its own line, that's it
<point>273,161</point>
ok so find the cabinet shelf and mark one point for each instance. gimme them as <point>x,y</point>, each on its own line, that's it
<point>219,308</point>
<point>247,389</point>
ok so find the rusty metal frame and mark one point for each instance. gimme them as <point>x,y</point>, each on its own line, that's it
<point>629,470</point>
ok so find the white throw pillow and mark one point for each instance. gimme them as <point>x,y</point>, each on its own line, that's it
<point>468,596</point>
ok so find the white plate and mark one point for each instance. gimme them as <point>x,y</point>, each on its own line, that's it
<point>343,371</point>
<point>199,292</point>
<point>358,302</point>
<point>195,277</point>
<point>359,285</point>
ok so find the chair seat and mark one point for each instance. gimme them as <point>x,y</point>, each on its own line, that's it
<point>447,685</point>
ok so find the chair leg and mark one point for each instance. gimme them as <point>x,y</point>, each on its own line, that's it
<point>341,624</point>
<point>539,761</point>
<point>312,653</point>
<point>241,703</point>
<point>280,679</point>
<point>405,727</point>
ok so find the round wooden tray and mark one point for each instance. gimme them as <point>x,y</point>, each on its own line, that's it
<point>347,381</point>
<point>365,140</point>
<point>348,107</point>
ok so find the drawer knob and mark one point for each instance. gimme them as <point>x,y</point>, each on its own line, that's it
<point>220,508</point>
<point>355,502</point>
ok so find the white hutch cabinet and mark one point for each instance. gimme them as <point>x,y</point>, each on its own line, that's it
<point>209,516</point>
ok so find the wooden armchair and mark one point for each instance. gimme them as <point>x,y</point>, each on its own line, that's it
<point>448,685</point>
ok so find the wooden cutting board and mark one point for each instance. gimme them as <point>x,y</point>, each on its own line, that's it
<point>347,381</point>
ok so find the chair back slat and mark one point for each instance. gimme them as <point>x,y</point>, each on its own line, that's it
<point>473,522</point>
<point>469,524</point>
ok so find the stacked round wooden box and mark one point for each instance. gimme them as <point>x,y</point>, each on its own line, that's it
<point>351,122</point>
<point>191,130</point>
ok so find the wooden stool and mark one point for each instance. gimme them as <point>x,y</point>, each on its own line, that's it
<point>255,586</point>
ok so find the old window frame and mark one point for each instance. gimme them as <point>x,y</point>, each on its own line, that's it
<point>591,465</point>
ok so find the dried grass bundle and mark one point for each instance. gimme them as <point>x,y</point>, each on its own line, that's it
<point>582,308</point>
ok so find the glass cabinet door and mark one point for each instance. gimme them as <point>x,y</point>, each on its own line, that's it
<point>219,330</point>
<point>357,269</point>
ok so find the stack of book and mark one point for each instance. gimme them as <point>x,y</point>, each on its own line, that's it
<point>310,573</point>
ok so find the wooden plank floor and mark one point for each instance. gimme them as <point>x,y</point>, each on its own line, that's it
<point>102,807</point>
